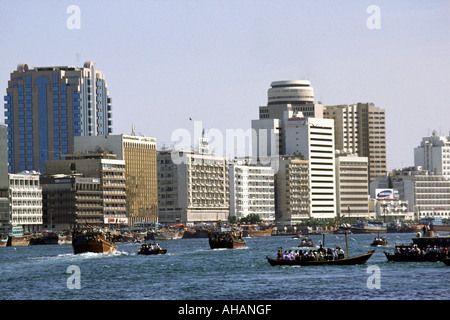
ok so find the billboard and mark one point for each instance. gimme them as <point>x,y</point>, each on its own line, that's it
<point>385,194</point>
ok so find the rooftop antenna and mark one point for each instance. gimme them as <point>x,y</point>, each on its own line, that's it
<point>133,131</point>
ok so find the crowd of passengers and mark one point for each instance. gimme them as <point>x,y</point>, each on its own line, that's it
<point>415,251</point>
<point>320,254</point>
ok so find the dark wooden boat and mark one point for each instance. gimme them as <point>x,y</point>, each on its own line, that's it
<point>225,238</point>
<point>91,240</point>
<point>19,240</point>
<point>361,259</point>
<point>446,261</point>
<point>307,243</point>
<point>413,257</point>
<point>255,231</point>
<point>379,241</point>
<point>147,250</point>
<point>4,240</point>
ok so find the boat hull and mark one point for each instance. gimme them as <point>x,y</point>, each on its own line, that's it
<point>95,244</point>
<point>361,259</point>
<point>225,240</point>
<point>257,233</point>
<point>4,241</point>
<point>152,252</point>
<point>362,230</point>
<point>19,240</point>
<point>166,235</point>
<point>446,261</point>
<point>412,258</point>
<point>197,234</point>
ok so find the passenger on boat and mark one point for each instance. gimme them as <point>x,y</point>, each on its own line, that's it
<point>279,255</point>
<point>340,253</point>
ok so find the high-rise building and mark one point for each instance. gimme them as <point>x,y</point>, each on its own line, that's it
<point>252,190</point>
<point>290,95</point>
<point>4,184</point>
<point>110,173</point>
<point>69,199</point>
<point>292,191</point>
<point>352,186</point>
<point>46,107</point>
<point>139,154</point>
<point>313,138</point>
<point>427,194</point>
<point>24,195</point>
<point>434,154</point>
<point>193,188</point>
<point>283,96</point>
<point>361,129</point>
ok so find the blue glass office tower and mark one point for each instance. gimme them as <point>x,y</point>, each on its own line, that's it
<point>45,107</point>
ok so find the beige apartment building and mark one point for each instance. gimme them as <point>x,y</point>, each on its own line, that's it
<point>139,154</point>
<point>361,129</point>
<point>292,191</point>
<point>352,186</point>
<point>111,175</point>
<point>192,187</point>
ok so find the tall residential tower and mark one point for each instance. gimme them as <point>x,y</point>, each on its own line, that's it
<point>45,107</point>
<point>361,129</point>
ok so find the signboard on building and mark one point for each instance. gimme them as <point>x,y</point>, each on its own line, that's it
<point>296,121</point>
<point>384,194</point>
<point>115,220</point>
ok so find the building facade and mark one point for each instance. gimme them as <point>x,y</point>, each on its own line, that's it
<point>24,201</point>
<point>313,138</point>
<point>139,154</point>
<point>70,200</point>
<point>45,107</point>
<point>428,194</point>
<point>352,186</point>
<point>361,129</point>
<point>111,175</point>
<point>292,191</point>
<point>290,95</point>
<point>434,154</point>
<point>192,187</point>
<point>252,191</point>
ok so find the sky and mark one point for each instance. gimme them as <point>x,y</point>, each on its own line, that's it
<point>166,61</point>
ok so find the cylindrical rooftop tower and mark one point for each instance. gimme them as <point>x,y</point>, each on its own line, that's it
<point>290,92</point>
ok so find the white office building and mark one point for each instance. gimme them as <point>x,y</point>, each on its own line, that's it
<point>252,190</point>
<point>314,139</point>
<point>428,194</point>
<point>192,187</point>
<point>24,205</point>
<point>434,154</point>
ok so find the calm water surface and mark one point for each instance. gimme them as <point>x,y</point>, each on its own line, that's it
<point>192,271</point>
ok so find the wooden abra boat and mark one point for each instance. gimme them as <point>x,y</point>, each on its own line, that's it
<point>91,240</point>
<point>361,259</point>
<point>446,261</point>
<point>379,241</point>
<point>413,257</point>
<point>225,238</point>
<point>149,250</point>
<point>255,231</point>
<point>307,243</point>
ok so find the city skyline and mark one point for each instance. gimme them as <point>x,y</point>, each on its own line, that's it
<point>169,61</point>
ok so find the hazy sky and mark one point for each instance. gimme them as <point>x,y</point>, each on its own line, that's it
<point>166,61</point>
